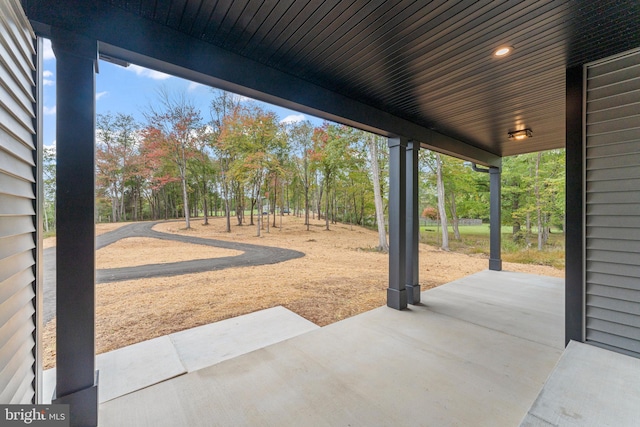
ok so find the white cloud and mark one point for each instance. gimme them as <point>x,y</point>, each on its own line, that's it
<point>193,86</point>
<point>47,51</point>
<point>145,72</point>
<point>100,95</point>
<point>51,146</point>
<point>49,111</point>
<point>293,118</point>
<point>46,74</point>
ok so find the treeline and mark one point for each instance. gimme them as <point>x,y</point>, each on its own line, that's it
<point>242,161</point>
<point>533,194</point>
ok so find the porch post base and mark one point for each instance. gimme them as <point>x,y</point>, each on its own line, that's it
<point>397,298</point>
<point>83,405</point>
<point>495,264</point>
<point>413,294</point>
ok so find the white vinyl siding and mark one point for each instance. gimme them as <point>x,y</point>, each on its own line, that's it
<point>17,206</point>
<point>612,223</point>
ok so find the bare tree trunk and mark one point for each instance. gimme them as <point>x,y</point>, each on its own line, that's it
<point>383,246</point>
<point>334,207</point>
<point>185,200</point>
<point>121,213</point>
<point>46,218</point>
<point>253,205</point>
<point>515,231</point>
<point>204,206</point>
<point>166,204</point>
<point>441,206</point>
<point>306,196</point>
<point>259,221</point>
<point>361,216</point>
<point>319,200</point>
<point>275,198</point>
<point>114,206</point>
<point>538,207</point>
<point>239,204</point>
<point>326,212</point>
<point>268,218</point>
<point>281,205</point>
<point>227,207</point>
<point>545,234</point>
<point>454,216</point>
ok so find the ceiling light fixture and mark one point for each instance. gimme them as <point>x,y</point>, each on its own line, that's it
<point>520,134</point>
<point>502,51</point>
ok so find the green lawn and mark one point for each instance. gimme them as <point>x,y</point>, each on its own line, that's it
<point>475,240</point>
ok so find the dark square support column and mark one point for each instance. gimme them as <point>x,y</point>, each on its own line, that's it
<point>412,225</point>
<point>397,293</point>
<point>495,219</point>
<point>574,239</point>
<point>76,379</point>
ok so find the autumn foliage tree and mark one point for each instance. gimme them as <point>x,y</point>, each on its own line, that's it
<point>252,136</point>
<point>223,106</point>
<point>330,143</point>
<point>116,162</point>
<point>245,156</point>
<point>173,133</point>
<point>300,135</point>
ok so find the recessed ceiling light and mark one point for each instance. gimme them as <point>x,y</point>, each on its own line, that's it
<point>502,51</point>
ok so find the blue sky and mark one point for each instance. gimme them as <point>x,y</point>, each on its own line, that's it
<point>130,90</point>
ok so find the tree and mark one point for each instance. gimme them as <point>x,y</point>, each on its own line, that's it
<point>174,130</point>
<point>517,179</point>
<point>548,190</point>
<point>253,135</point>
<point>223,105</point>
<point>441,201</point>
<point>202,167</point>
<point>278,167</point>
<point>329,153</point>
<point>301,135</point>
<point>377,194</point>
<point>115,152</point>
<point>544,174</point>
<point>434,163</point>
<point>49,181</point>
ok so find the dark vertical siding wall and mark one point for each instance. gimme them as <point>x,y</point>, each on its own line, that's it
<point>613,203</point>
<point>17,200</point>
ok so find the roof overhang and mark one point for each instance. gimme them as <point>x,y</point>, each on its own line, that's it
<point>424,72</point>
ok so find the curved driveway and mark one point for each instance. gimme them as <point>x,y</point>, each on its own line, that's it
<point>253,255</point>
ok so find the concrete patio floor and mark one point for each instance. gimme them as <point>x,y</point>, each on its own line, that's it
<point>141,365</point>
<point>475,353</point>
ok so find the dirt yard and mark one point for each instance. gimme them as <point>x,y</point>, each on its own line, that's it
<point>339,276</point>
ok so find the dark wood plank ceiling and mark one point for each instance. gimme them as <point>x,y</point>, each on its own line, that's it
<point>428,62</point>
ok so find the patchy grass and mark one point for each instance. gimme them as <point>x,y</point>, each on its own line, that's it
<point>341,275</point>
<point>50,233</point>
<point>551,258</point>
<point>474,240</point>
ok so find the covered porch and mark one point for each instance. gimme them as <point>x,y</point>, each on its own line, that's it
<point>473,352</point>
<point>476,351</point>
